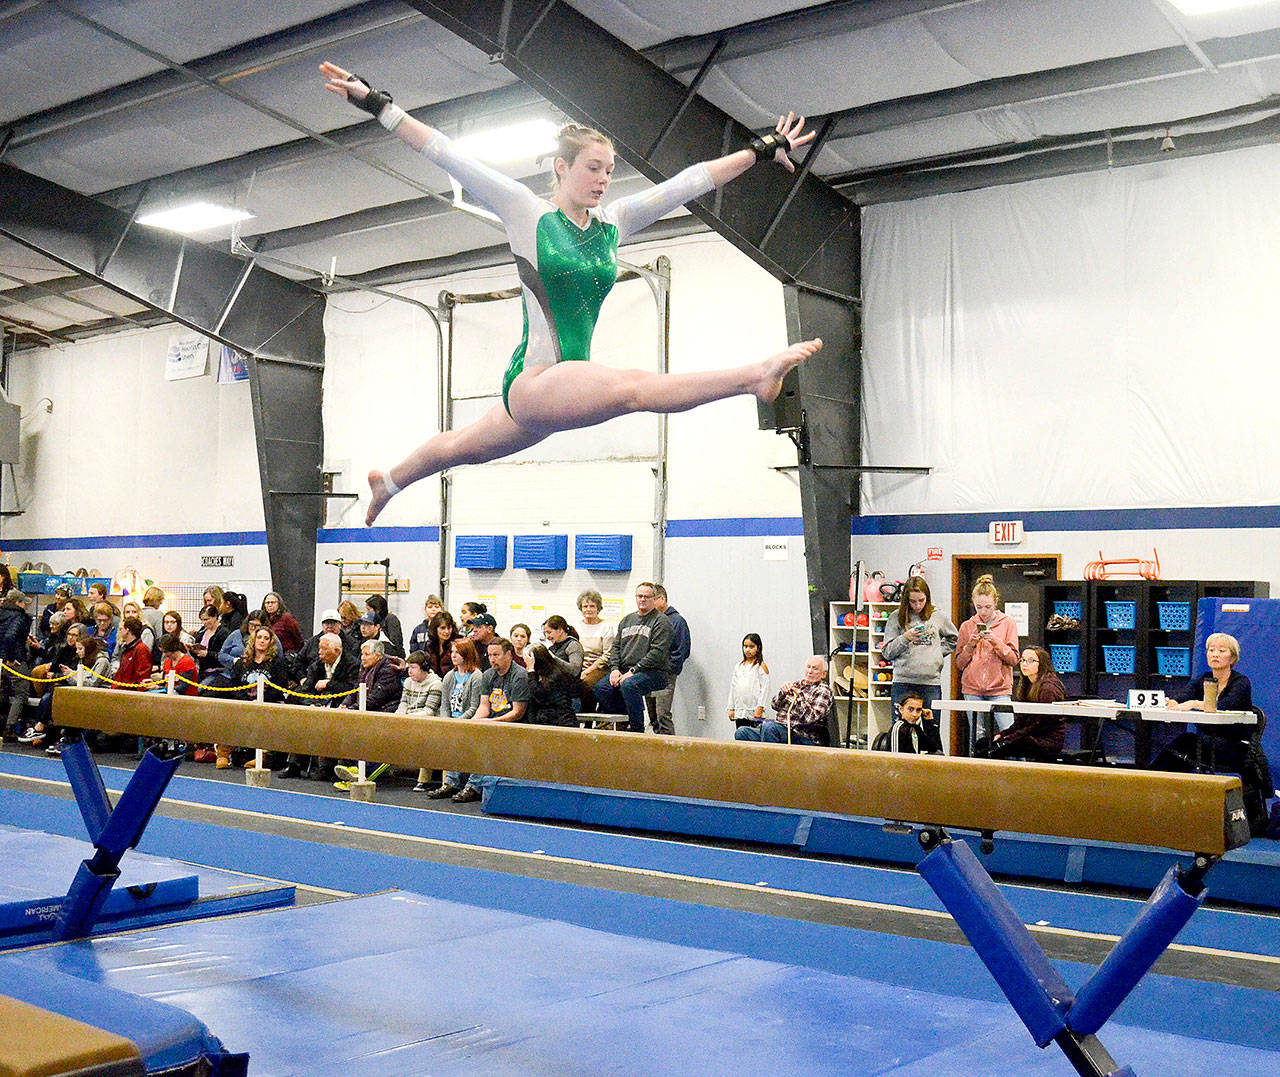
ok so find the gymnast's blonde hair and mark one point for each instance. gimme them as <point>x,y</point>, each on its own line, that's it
<point>571,140</point>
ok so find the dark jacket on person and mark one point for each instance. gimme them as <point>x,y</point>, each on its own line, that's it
<point>311,651</point>
<point>915,739</point>
<point>248,672</point>
<point>551,699</point>
<point>346,675</point>
<point>15,627</point>
<point>569,653</point>
<point>439,656</point>
<point>1048,732</point>
<point>383,687</point>
<point>419,638</point>
<point>642,644</point>
<point>1237,695</point>
<point>681,642</point>
<point>209,662</point>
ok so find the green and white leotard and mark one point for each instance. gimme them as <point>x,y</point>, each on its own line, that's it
<point>565,271</point>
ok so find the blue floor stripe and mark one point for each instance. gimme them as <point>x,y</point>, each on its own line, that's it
<point>1216,928</point>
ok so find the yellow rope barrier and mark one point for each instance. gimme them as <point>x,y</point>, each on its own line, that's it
<point>101,678</point>
<point>36,680</point>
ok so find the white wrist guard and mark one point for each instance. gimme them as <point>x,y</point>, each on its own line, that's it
<point>390,116</point>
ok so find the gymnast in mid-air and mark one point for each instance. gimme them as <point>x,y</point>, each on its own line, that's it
<point>566,253</point>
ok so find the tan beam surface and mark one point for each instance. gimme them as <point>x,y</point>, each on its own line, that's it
<point>1174,811</point>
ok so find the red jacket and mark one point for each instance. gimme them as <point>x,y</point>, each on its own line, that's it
<point>135,665</point>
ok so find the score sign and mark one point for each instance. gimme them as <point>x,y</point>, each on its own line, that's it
<point>1005,532</point>
<point>1145,698</point>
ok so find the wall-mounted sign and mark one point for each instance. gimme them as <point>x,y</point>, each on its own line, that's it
<point>933,553</point>
<point>1005,532</point>
<point>218,560</point>
<point>776,549</point>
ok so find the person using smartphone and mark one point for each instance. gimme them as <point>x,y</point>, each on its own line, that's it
<point>987,650</point>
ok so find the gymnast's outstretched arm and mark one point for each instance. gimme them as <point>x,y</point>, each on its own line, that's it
<point>638,211</point>
<point>508,198</point>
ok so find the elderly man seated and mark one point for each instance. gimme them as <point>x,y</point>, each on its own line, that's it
<point>801,708</point>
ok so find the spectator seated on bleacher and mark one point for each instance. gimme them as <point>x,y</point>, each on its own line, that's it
<point>134,670</point>
<point>332,672</point>
<point>801,709</point>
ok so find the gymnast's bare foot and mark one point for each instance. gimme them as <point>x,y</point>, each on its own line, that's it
<point>777,367</point>
<point>380,496</point>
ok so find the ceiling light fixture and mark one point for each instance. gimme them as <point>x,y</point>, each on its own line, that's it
<point>1214,7</point>
<point>194,217</point>
<point>1167,144</point>
<point>515,142</point>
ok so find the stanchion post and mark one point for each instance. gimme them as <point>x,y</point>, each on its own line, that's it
<point>80,675</point>
<point>362,788</point>
<point>258,775</point>
<point>172,679</point>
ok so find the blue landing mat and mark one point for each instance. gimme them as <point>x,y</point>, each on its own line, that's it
<point>39,867</point>
<point>398,984</point>
<point>1216,928</point>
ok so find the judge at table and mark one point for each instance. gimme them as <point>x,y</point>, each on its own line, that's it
<point>1224,744</point>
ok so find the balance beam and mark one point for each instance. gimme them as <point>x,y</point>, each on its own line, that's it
<point>1190,813</point>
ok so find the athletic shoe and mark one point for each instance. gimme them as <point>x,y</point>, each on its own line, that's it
<point>343,786</point>
<point>347,774</point>
<point>443,791</point>
<point>469,795</point>
<point>30,736</point>
<point>421,787</point>
<point>205,755</point>
<point>55,749</point>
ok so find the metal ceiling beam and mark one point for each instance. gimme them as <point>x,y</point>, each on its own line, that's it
<point>1075,79</point>
<point>250,57</point>
<point>795,227</point>
<point>1064,156</point>
<point>279,324</point>
<point>790,28</point>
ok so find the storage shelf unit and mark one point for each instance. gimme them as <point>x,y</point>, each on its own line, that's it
<point>856,656</point>
<point>1158,628</point>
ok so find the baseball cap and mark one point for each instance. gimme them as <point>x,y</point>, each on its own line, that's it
<point>484,619</point>
<point>369,618</point>
<point>331,615</point>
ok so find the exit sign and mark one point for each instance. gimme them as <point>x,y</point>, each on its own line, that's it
<point>1005,532</point>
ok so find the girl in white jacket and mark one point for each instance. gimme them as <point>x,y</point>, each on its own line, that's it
<point>749,689</point>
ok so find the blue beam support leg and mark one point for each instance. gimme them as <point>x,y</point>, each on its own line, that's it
<point>1166,913</point>
<point>120,831</point>
<point>1038,994</point>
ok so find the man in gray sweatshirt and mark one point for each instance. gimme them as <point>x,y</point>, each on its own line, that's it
<point>639,660</point>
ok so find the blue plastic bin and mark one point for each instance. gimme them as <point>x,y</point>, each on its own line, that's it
<point>1174,616</point>
<point>1118,659</point>
<point>1173,661</point>
<point>1066,657</point>
<point>1122,615</point>
<point>1068,609</point>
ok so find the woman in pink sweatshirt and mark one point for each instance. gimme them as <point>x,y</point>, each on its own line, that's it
<point>987,650</point>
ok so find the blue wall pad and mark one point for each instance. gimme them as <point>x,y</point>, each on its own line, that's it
<point>602,553</point>
<point>1250,875</point>
<point>480,551</point>
<point>545,996</point>
<point>540,553</point>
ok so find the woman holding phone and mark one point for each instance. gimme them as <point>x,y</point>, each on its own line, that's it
<point>987,650</point>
